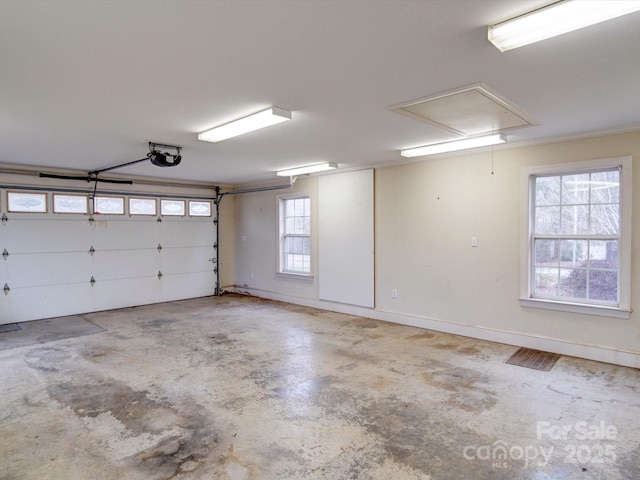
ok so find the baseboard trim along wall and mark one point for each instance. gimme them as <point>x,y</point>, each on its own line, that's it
<point>590,352</point>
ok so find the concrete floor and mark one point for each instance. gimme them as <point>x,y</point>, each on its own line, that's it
<point>241,388</point>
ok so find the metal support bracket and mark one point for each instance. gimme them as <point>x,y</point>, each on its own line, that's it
<point>6,289</point>
<point>159,275</point>
<point>5,219</point>
<point>5,254</point>
<point>92,251</point>
<point>159,248</point>
<point>92,281</point>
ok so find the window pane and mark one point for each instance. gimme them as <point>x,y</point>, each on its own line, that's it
<point>603,254</point>
<point>289,225</point>
<point>547,220</point>
<point>299,207</point>
<point>546,252</point>
<point>546,281</point>
<point>575,189</point>
<point>603,285</point>
<point>289,204</point>
<point>575,219</point>
<point>605,219</point>
<point>172,207</point>
<point>109,205</point>
<point>69,203</point>
<point>605,187</point>
<point>307,207</point>
<point>573,253</point>
<point>199,209</point>
<point>27,202</point>
<point>142,206</point>
<point>548,191</point>
<point>299,225</point>
<point>307,226</point>
<point>573,283</point>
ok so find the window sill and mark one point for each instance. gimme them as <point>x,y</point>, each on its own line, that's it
<point>601,311</point>
<point>305,277</point>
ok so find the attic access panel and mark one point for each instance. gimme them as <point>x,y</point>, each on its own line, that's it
<point>468,111</point>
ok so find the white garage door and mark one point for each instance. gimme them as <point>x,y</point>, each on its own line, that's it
<point>56,264</point>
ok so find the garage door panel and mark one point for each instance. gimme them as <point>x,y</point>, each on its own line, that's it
<point>32,270</point>
<point>187,233</point>
<point>124,264</point>
<point>52,235</point>
<point>181,286</point>
<point>50,301</point>
<point>125,234</point>
<point>185,260</point>
<point>120,293</point>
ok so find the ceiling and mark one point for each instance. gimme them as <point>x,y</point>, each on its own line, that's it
<point>87,85</point>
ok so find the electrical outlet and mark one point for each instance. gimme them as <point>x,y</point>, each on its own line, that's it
<point>474,241</point>
<point>394,293</point>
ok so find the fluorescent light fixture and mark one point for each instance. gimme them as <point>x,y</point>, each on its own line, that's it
<point>556,19</point>
<point>455,145</point>
<point>265,118</point>
<point>320,167</point>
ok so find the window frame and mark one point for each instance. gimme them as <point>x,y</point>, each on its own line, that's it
<point>281,201</point>
<point>527,256</point>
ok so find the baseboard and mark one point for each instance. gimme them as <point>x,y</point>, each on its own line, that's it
<point>590,352</point>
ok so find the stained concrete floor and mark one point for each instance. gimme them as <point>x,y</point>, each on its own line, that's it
<point>240,388</point>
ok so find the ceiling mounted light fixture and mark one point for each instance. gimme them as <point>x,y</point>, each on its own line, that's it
<point>465,144</point>
<point>320,167</point>
<point>256,121</point>
<point>555,19</point>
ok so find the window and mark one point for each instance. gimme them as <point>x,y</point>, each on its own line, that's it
<point>295,235</point>
<point>69,203</point>
<point>27,202</point>
<point>578,240</point>
<point>108,205</point>
<point>199,209</point>
<point>172,207</point>
<point>142,206</point>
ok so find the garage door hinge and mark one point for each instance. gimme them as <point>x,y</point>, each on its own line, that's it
<point>159,248</point>
<point>5,219</point>
<point>5,254</point>
<point>6,289</point>
<point>92,251</point>
<point>91,220</point>
<point>159,275</point>
<point>159,219</point>
<point>215,245</point>
<point>215,269</point>
<point>215,220</point>
<point>92,281</point>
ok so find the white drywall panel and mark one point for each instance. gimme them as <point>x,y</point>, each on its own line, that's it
<point>345,238</point>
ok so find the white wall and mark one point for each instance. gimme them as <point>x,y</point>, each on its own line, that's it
<point>425,215</point>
